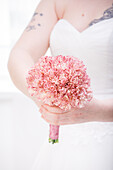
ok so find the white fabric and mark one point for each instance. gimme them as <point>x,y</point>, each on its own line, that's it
<point>85,146</point>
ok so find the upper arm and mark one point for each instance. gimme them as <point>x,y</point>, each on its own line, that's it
<point>36,36</point>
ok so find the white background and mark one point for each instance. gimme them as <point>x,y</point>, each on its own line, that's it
<point>14,17</point>
<point>22,131</point>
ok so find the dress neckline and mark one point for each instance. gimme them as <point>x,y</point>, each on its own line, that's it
<point>88,28</point>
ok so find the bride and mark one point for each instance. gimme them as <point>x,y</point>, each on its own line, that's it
<point>84,29</point>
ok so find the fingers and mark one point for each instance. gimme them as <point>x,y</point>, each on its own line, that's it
<point>53,109</point>
<point>57,119</point>
<point>50,117</point>
<point>62,119</point>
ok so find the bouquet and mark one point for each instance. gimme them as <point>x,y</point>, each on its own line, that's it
<point>61,81</point>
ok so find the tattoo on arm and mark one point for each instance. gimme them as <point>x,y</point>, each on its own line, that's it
<point>30,27</point>
<point>33,27</point>
<point>106,15</point>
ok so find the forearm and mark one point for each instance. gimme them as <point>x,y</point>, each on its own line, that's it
<point>18,65</point>
<point>106,111</point>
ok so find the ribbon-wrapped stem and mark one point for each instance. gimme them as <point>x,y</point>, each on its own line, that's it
<point>54,134</point>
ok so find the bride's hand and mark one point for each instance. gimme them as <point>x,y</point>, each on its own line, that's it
<point>90,112</point>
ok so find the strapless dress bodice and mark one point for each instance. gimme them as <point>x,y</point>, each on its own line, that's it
<point>94,46</point>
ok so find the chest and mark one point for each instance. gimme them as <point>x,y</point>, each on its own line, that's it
<point>81,14</point>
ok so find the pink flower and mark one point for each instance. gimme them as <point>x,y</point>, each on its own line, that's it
<point>60,81</point>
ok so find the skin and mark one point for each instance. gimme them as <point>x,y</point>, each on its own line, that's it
<point>33,26</point>
<point>34,42</point>
<point>95,110</point>
<point>84,15</point>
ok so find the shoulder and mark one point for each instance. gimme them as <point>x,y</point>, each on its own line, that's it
<point>58,5</point>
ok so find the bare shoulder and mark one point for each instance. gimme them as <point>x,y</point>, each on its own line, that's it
<point>60,6</point>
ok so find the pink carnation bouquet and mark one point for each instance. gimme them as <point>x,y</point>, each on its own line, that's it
<point>59,81</point>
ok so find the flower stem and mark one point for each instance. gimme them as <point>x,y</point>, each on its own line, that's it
<point>53,141</point>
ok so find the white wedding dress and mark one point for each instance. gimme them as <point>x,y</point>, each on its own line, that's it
<point>85,146</point>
